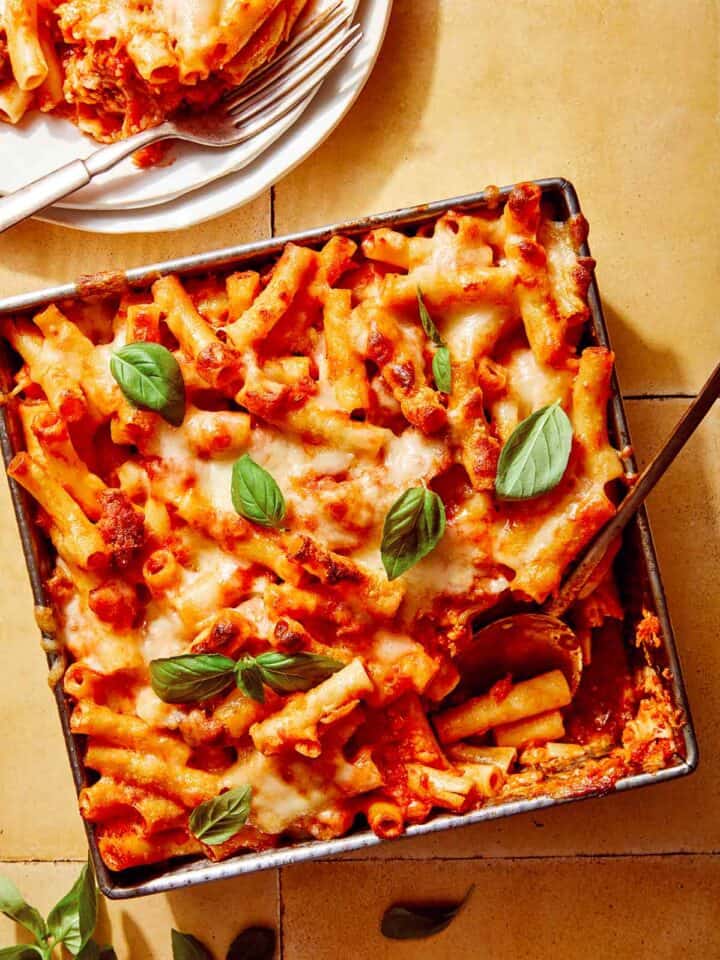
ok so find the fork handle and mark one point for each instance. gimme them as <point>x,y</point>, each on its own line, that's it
<point>59,183</point>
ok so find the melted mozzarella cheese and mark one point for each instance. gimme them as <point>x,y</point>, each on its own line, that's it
<point>533,384</point>
<point>471,330</point>
<point>195,27</point>
<point>412,458</point>
<point>283,792</point>
<point>164,634</point>
<point>95,642</point>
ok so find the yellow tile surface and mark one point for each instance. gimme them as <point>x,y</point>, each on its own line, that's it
<point>140,929</point>
<point>35,255</point>
<point>38,813</point>
<point>620,98</point>
<point>644,908</point>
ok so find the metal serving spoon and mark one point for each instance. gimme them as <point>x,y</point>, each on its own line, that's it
<point>528,631</point>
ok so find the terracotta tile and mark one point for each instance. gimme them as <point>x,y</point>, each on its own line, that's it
<point>564,909</point>
<point>140,929</point>
<point>682,815</point>
<point>581,90</point>
<point>34,255</point>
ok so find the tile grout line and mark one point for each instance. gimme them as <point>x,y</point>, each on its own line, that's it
<point>525,857</point>
<point>659,396</point>
<point>281,915</point>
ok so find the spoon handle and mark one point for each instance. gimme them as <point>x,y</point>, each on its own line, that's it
<point>595,551</point>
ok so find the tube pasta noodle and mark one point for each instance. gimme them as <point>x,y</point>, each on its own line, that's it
<point>524,699</point>
<point>318,368</point>
<point>502,757</point>
<point>298,722</point>
<point>543,727</point>
<point>26,56</point>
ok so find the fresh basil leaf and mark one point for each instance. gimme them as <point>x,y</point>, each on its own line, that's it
<point>191,677</point>
<point>401,922</point>
<point>22,951</point>
<point>216,820</point>
<point>442,370</point>
<point>287,673</point>
<point>249,679</point>
<point>150,377</point>
<point>413,527</point>
<point>535,456</point>
<point>13,905</point>
<point>255,943</point>
<point>431,331</point>
<point>255,495</point>
<point>72,920</point>
<point>187,947</point>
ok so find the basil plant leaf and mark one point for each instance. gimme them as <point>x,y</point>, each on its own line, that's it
<point>442,370</point>
<point>402,922</point>
<point>150,377</point>
<point>191,677</point>
<point>254,943</point>
<point>22,951</point>
<point>255,494</point>
<point>536,455</point>
<point>250,680</point>
<point>72,920</point>
<point>13,905</point>
<point>413,527</point>
<point>187,947</point>
<point>431,331</point>
<point>219,819</point>
<point>290,672</point>
<point>93,951</point>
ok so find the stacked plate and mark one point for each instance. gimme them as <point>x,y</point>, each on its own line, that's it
<point>200,182</point>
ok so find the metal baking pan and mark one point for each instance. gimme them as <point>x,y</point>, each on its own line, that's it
<point>639,570</point>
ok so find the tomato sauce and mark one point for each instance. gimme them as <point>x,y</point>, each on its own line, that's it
<point>602,704</point>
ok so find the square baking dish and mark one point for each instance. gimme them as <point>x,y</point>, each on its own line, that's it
<point>638,572</point>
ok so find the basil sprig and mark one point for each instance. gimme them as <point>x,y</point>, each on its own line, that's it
<point>71,922</point>
<point>413,527</point>
<point>219,819</point>
<point>150,378</point>
<point>187,947</point>
<point>402,922</point>
<point>255,494</point>
<point>284,672</point>
<point>195,677</point>
<point>441,367</point>
<point>536,455</point>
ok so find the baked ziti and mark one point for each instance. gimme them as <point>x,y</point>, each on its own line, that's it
<point>279,499</point>
<point>115,67</point>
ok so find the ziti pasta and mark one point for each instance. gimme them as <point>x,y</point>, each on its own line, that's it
<point>280,496</point>
<point>115,67</point>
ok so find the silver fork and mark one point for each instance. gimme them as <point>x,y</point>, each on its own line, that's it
<point>267,96</point>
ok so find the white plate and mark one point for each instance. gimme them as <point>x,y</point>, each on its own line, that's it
<point>25,148</point>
